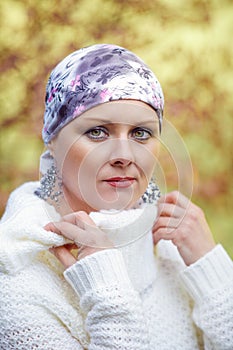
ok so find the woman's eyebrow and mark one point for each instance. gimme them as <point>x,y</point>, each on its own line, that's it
<point>148,121</point>
<point>97,120</point>
<point>101,121</point>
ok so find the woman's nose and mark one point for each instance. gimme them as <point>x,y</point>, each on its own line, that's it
<point>122,153</point>
<point>120,162</point>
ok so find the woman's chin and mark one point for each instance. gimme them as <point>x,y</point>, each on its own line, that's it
<point>93,200</point>
<point>119,203</point>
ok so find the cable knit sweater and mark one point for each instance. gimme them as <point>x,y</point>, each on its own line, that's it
<point>122,298</point>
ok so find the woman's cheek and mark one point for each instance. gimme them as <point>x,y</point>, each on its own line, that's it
<point>146,158</point>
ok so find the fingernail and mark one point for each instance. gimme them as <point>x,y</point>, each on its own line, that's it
<point>52,250</point>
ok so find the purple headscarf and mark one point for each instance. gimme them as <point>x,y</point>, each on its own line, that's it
<point>95,75</point>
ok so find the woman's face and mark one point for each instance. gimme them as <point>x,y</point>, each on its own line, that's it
<point>107,155</point>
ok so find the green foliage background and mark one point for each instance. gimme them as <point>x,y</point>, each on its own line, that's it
<point>188,44</point>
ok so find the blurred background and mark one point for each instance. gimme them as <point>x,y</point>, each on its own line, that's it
<point>188,44</point>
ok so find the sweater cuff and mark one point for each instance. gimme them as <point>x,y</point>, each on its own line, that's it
<point>101,269</point>
<point>208,274</point>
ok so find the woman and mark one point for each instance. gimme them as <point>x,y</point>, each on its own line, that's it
<point>78,269</point>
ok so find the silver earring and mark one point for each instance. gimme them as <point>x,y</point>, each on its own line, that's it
<point>152,193</point>
<point>47,185</point>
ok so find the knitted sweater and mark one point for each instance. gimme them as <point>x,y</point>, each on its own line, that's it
<point>122,298</point>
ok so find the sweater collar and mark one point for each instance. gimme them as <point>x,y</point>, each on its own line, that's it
<point>130,230</point>
<point>22,236</point>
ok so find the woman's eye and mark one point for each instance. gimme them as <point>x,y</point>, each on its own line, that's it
<point>141,134</point>
<point>97,133</point>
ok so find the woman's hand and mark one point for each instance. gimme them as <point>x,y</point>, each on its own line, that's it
<point>184,223</point>
<point>79,228</point>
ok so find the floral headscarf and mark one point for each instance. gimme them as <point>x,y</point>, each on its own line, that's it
<point>95,75</point>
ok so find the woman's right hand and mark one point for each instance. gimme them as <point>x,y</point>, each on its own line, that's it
<point>86,236</point>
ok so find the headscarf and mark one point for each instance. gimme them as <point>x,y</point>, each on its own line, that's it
<point>94,75</point>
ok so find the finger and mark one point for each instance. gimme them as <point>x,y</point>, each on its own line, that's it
<point>165,228</point>
<point>71,231</point>
<point>175,197</point>
<point>71,246</point>
<point>166,222</point>
<point>80,218</point>
<point>64,256</point>
<point>167,209</point>
<point>164,233</point>
<point>52,227</point>
<point>94,238</point>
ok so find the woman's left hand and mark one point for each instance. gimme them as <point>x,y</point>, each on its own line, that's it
<point>184,223</point>
<point>86,236</point>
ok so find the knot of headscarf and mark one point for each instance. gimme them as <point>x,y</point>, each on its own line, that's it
<point>95,75</point>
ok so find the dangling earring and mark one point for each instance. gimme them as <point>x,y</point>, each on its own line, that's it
<point>47,185</point>
<point>50,183</point>
<point>151,195</point>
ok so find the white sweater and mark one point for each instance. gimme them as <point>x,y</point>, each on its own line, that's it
<point>123,298</point>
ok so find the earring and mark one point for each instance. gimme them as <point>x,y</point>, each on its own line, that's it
<point>47,185</point>
<point>152,193</point>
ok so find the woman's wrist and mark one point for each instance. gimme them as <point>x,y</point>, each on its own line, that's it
<point>101,269</point>
<point>208,274</point>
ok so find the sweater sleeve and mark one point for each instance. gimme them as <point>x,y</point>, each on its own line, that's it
<point>114,312</point>
<point>210,283</point>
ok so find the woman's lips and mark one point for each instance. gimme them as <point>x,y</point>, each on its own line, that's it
<point>120,182</point>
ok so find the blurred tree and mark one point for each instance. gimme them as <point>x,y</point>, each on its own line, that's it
<point>186,43</point>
